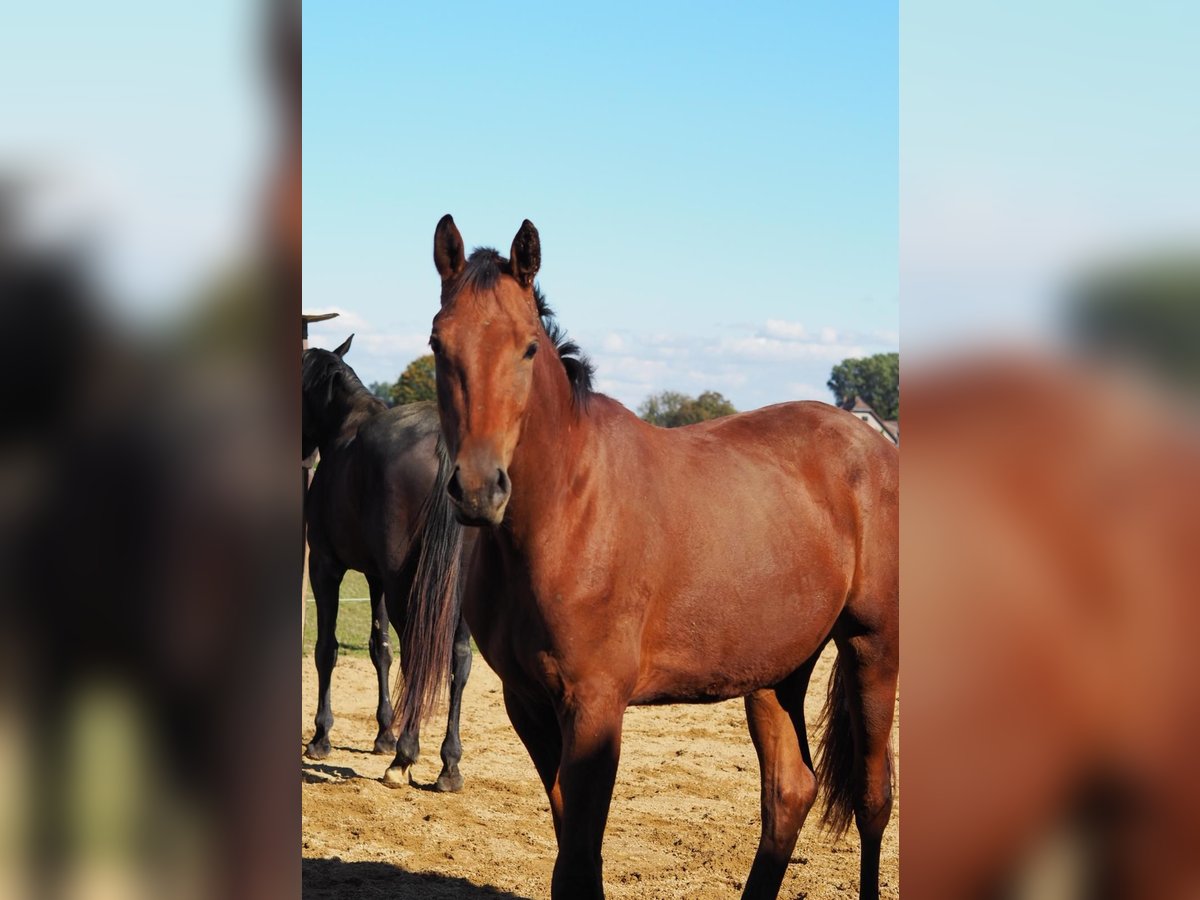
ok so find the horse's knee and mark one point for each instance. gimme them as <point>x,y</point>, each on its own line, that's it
<point>795,797</point>
<point>381,653</point>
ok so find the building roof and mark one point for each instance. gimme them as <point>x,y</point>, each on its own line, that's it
<point>890,427</point>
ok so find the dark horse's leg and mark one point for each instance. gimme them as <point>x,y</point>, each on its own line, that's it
<point>870,671</point>
<point>326,578</point>
<point>408,745</point>
<point>381,655</point>
<point>450,778</point>
<point>789,787</point>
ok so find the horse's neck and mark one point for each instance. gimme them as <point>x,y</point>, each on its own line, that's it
<point>561,441</point>
<point>346,414</point>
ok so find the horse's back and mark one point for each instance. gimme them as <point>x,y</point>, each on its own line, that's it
<point>823,451</point>
<point>401,427</point>
<point>803,431</point>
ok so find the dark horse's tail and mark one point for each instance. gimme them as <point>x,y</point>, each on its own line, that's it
<point>433,605</point>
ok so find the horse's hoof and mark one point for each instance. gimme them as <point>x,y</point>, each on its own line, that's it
<point>316,750</point>
<point>385,745</point>
<point>395,777</point>
<point>449,783</point>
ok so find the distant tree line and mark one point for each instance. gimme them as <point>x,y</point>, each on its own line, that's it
<point>416,382</point>
<point>670,409</point>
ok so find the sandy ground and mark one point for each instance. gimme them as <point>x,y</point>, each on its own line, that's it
<point>684,820</point>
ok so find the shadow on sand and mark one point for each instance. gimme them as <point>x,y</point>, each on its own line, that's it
<point>319,773</point>
<point>335,879</point>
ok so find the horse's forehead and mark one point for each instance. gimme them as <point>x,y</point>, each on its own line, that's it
<point>492,308</point>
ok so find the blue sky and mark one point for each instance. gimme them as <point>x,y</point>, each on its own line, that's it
<point>143,127</point>
<point>715,187</point>
<point>1038,139</point>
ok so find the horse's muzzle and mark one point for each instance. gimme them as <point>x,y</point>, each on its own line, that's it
<point>479,501</point>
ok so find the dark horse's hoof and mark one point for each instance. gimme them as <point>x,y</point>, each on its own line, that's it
<point>385,744</point>
<point>317,750</point>
<point>449,782</point>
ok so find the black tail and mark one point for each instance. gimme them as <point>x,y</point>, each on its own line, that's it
<point>433,606</point>
<point>836,756</point>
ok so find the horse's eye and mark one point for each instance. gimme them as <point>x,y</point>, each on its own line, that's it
<point>531,349</point>
<point>434,344</point>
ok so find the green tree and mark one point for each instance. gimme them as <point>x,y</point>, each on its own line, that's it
<point>1146,310</point>
<point>382,390</point>
<point>416,383</point>
<point>670,409</point>
<point>876,379</point>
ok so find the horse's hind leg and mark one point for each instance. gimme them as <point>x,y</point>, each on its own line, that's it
<point>869,673</point>
<point>397,587</point>
<point>381,655</point>
<point>450,778</point>
<point>326,578</point>
<point>788,786</point>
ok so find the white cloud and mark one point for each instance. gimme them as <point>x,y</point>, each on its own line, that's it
<point>401,346</point>
<point>786,331</point>
<point>613,343</point>
<point>758,347</point>
<point>802,390</point>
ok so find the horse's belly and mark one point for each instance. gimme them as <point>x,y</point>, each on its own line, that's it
<point>700,661</point>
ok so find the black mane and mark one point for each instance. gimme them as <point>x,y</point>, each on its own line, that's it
<point>579,367</point>
<point>483,271</point>
<point>323,368</point>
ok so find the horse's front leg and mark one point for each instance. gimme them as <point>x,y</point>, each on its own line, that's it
<point>450,778</point>
<point>591,732</point>
<point>326,578</point>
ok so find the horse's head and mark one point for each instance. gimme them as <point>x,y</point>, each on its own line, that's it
<point>319,373</point>
<point>484,339</point>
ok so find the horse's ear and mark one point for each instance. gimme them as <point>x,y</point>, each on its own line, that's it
<point>448,249</point>
<point>525,258</point>
<point>341,351</point>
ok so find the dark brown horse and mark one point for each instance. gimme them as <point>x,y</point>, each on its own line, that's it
<point>627,564</point>
<point>372,508</point>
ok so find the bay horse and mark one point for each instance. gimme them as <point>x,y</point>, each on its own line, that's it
<point>620,563</point>
<point>372,507</point>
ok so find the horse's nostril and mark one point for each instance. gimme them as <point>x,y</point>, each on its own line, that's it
<point>454,488</point>
<point>502,485</point>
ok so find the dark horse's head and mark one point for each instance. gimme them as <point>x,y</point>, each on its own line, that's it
<point>324,376</point>
<point>491,328</point>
